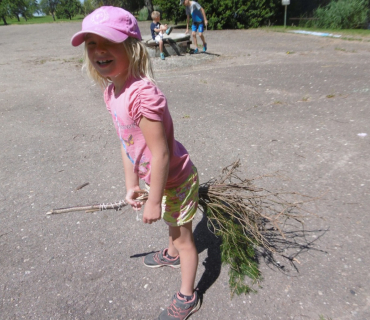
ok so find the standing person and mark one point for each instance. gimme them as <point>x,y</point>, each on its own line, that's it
<point>116,58</point>
<point>157,29</point>
<point>199,20</point>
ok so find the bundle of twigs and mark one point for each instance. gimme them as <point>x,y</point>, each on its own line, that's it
<point>245,216</point>
<point>239,212</point>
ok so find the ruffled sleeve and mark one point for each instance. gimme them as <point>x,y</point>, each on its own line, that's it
<point>146,100</point>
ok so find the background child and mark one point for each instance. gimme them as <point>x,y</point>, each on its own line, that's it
<point>199,20</point>
<point>157,30</point>
<point>116,59</point>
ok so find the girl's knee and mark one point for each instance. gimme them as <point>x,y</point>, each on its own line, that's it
<point>186,247</point>
<point>182,235</point>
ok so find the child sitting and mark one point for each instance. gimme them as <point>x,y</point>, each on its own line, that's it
<point>157,30</point>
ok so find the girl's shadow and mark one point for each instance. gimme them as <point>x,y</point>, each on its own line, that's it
<point>205,239</point>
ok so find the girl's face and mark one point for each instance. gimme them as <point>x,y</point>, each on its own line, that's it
<point>108,58</point>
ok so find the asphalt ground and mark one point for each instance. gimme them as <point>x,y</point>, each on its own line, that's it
<point>279,102</point>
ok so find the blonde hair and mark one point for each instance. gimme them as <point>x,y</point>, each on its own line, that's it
<point>140,65</point>
<point>155,15</point>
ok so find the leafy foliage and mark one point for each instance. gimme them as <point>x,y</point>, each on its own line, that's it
<point>23,8</point>
<point>4,10</point>
<point>341,14</point>
<point>130,5</point>
<point>171,10</point>
<point>238,252</point>
<point>221,14</point>
<point>68,9</point>
<point>87,7</point>
<point>49,7</point>
<point>239,14</point>
<point>143,14</point>
<point>17,8</point>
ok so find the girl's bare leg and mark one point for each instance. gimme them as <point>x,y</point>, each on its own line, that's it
<point>181,242</point>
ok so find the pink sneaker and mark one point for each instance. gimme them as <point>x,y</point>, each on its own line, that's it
<point>160,259</point>
<point>180,309</point>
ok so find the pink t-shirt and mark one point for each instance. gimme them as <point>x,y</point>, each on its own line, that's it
<point>141,98</point>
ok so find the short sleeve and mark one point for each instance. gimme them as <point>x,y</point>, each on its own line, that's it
<point>146,100</point>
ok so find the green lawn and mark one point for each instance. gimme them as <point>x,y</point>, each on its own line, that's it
<point>42,19</point>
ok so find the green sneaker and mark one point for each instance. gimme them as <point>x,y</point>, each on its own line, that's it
<point>162,55</point>
<point>160,259</point>
<point>180,309</point>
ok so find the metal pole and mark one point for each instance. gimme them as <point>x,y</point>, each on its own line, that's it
<point>285,16</point>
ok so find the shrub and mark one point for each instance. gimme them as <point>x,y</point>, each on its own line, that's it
<point>170,10</point>
<point>143,14</point>
<point>221,14</point>
<point>240,14</point>
<point>341,14</point>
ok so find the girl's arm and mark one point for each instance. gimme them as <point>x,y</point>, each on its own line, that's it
<point>187,24</point>
<point>132,181</point>
<point>155,138</point>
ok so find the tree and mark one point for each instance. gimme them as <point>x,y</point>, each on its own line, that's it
<point>87,7</point>
<point>171,10</point>
<point>149,5</point>
<point>24,8</point>
<point>114,3</point>
<point>4,10</point>
<point>68,9</point>
<point>49,7</point>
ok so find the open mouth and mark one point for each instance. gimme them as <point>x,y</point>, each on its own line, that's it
<point>103,62</point>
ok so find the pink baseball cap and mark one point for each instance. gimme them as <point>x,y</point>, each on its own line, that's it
<point>112,23</point>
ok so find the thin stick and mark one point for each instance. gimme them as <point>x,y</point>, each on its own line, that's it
<point>100,207</point>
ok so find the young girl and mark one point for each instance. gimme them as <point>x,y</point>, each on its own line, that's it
<point>117,60</point>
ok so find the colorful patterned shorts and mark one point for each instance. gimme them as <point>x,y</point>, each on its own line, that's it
<point>179,204</point>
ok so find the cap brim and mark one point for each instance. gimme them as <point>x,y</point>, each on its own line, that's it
<point>105,32</point>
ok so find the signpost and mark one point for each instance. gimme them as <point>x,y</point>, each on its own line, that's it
<point>285,3</point>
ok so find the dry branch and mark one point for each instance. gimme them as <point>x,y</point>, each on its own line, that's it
<point>239,212</point>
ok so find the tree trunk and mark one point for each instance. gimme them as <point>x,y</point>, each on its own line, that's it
<point>149,5</point>
<point>4,20</point>
<point>53,16</point>
<point>18,18</point>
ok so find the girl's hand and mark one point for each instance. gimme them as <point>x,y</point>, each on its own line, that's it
<point>152,212</point>
<point>186,31</point>
<point>131,195</point>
